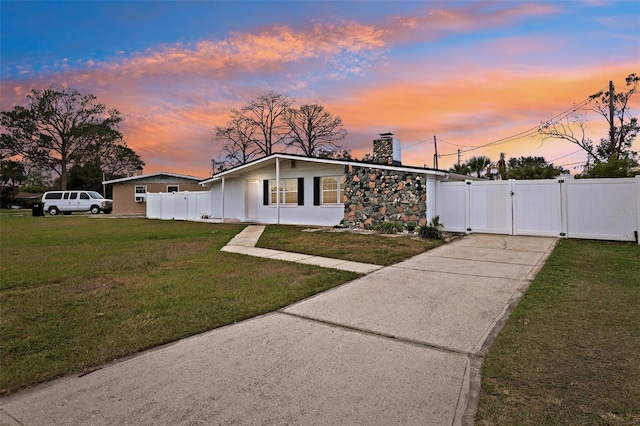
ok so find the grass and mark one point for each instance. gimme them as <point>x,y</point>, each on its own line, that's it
<point>570,351</point>
<point>355,246</point>
<point>78,291</point>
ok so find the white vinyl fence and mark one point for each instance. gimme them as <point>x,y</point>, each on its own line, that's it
<point>605,209</point>
<point>179,205</point>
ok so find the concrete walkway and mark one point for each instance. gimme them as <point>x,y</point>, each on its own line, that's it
<point>401,345</point>
<point>245,241</point>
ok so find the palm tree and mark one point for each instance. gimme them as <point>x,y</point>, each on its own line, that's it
<point>502,166</point>
<point>478,165</point>
<point>461,169</point>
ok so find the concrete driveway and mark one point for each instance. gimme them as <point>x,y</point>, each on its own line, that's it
<point>401,345</point>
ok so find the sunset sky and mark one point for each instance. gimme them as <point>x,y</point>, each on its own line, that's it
<point>470,73</point>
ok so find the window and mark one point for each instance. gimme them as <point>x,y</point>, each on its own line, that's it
<point>73,196</point>
<point>53,196</point>
<point>141,193</point>
<point>332,190</point>
<point>65,196</point>
<point>84,196</point>
<point>288,191</point>
<point>173,188</point>
<point>291,191</point>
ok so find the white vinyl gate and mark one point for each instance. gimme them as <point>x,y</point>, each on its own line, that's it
<point>605,209</point>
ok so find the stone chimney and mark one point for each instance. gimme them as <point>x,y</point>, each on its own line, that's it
<point>387,150</point>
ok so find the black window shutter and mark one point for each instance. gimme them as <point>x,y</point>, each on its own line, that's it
<point>316,190</point>
<point>301,191</point>
<point>265,192</point>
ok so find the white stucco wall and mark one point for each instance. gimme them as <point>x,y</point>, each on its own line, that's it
<point>307,214</point>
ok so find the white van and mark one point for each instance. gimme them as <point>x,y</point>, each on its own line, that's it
<point>65,202</point>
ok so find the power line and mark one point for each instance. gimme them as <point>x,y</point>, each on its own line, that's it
<point>571,153</point>
<point>530,131</point>
<point>414,144</point>
<point>454,144</point>
<point>570,164</point>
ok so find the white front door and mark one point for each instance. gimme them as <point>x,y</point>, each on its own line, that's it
<point>251,200</point>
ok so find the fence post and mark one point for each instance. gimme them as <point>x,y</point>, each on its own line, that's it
<point>638,208</point>
<point>512,210</point>
<point>467,206</point>
<point>564,217</point>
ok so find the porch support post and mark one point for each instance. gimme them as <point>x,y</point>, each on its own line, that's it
<point>222,201</point>
<point>278,189</point>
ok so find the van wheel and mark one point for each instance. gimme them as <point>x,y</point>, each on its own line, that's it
<point>108,211</point>
<point>53,211</point>
<point>95,210</point>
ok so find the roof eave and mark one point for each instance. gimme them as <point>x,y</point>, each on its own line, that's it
<point>239,168</point>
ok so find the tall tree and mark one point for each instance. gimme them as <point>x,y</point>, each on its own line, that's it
<point>314,131</point>
<point>265,114</point>
<point>116,161</point>
<point>58,129</point>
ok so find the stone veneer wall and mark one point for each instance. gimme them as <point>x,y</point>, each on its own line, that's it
<point>373,195</point>
<point>383,150</point>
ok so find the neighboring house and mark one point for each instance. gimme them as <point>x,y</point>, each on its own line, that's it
<point>130,193</point>
<point>291,189</point>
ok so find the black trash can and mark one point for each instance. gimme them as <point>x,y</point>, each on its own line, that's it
<point>37,210</point>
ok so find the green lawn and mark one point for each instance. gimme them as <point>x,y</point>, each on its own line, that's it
<point>77,291</point>
<point>356,246</point>
<point>569,353</point>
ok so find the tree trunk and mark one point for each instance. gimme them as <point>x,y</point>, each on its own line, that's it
<point>63,178</point>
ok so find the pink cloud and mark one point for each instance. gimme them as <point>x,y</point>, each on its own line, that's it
<point>172,96</point>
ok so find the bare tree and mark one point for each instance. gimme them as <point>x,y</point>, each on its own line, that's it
<point>265,115</point>
<point>314,130</point>
<point>614,107</point>
<point>572,130</point>
<point>240,145</point>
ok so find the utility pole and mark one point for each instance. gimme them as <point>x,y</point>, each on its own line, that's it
<point>459,152</point>
<point>612,127</point>
<point>435,155</point>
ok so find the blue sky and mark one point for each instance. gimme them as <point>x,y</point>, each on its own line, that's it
<point>469,72</point>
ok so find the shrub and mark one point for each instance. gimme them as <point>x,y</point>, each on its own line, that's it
<point>411,226</point>
<point>390,227</point>
<point>432,230</point>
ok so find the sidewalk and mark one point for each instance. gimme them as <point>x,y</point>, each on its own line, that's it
<point>401,345</point>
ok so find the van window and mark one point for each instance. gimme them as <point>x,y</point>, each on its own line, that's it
<point>84,196</point>
<point>53,196</point>
<point>65,196</point>
<point>73,195</point>
<point>96,195</point>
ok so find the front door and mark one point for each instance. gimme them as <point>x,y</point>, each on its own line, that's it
<point>251,200</point>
